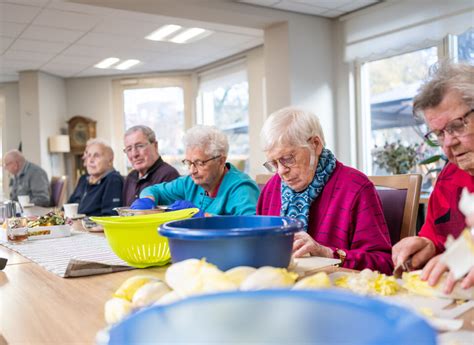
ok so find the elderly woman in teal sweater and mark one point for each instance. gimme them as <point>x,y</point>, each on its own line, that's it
<point>213,186</point>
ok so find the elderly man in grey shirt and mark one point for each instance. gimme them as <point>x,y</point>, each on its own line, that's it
<point>27,179</point>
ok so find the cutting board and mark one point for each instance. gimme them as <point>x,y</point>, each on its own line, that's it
<point>307,265</point>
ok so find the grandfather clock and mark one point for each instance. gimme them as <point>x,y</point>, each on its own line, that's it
<point>81,129</point>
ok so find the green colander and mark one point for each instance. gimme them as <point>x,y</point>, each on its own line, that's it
<point>136,240</point>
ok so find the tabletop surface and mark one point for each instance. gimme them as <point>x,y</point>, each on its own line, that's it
<point>38,307</point>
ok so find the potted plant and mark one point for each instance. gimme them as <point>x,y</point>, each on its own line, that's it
<point>396,158</point>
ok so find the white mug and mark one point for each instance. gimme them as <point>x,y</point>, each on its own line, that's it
<point>70,210</point>
<point>24,200</point>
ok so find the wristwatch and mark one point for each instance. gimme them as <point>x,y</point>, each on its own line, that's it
<point>340,254</point>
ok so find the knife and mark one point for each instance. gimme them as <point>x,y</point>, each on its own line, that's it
<point>404,266</point>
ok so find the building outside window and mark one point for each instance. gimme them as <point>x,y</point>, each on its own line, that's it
<point>161,109</point>
<point>223,101</point>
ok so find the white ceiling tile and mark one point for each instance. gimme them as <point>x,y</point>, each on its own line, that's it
<point>88,51</point>
<point>5,43</point>
<point>329,4</point>
<point>300,8</point>
<point>66,20</point>
<point>153,46</point>
<point>106,40</point>
<point>19,65</point>
<point>37,3</point>
<point>268,3</point>
<point>9,29</point>
<point>28,56</point>
<point>81,8</point>
<point>79,60</point>
<point>43,33</point>
<point>354,5</point>
<point>38,46</point>
<point>18,13</point>
<point>119,26</point>
<point>5,78</point>
<point>333,13</point>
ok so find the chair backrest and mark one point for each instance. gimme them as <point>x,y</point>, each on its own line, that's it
<point>58,190</point>
<point>400,196</point>
<point>262,179</point>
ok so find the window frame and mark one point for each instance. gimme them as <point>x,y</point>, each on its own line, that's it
<point>120,85</point>
<point>445,49</point>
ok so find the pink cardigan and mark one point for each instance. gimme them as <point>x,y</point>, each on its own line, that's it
<point>346,215</point>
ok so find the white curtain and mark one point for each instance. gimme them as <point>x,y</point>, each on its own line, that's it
<point>397,27</point>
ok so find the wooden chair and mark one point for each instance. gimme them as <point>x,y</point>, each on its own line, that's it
<point>58,190</point>
<point>400,196</point>
<point>262,179</point>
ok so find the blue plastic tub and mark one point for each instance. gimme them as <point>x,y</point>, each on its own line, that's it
<point>230,241</point>
<point>273,317</point>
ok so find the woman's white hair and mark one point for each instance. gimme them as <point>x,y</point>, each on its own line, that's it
<point>290,126</point>
<point>208,138</point>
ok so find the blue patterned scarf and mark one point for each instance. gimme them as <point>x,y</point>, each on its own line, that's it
<point>296,205</point>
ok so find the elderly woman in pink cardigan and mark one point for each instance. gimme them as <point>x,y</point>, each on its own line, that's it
<point>338,205</point>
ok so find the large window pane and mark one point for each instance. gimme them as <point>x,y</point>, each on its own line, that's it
<point>466,47</point>
<point>223,102</point>
<point>162,109</point>
<point>392,84</point>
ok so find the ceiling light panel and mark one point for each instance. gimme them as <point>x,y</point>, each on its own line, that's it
<point>107,63</point>
<point>163,32</point>
<point>188,35</point>
<point>127,64</point>
<point>177,34</point>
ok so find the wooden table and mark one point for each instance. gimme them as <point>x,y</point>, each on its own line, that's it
<point>38,307</point>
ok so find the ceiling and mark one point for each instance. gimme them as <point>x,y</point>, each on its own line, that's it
<point>67,38</point>
<point>324,8</point>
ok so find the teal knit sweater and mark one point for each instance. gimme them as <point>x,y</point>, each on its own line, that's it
<point>237,194</point>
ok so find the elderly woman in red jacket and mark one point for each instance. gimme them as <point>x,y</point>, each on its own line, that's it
<point>338,205</point>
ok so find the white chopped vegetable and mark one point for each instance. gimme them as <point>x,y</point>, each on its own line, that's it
<point>269,278</point>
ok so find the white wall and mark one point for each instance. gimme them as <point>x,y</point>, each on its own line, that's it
<point>257,108</point>
<point>52,110</point>
<point>10,120</point>
<point>11,130</point>
<point>311,72</point>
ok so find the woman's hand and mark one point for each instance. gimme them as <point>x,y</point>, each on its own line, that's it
<point>419,249</point>
<point>434,269</point>
<point>146,203</point>
<point>304,244</point>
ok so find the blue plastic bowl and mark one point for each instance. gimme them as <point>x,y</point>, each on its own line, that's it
<point>230,241</point>
<point>273,317</point>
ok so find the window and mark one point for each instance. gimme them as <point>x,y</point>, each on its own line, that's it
<point>465,47</point>
<point>162,109</point>
<point>223,101</point>
<point>389,86</point>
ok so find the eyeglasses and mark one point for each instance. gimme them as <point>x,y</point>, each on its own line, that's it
<point>137,147</point>
<point>455,127</point>
<point>198,163</point>
<point>286,161</point>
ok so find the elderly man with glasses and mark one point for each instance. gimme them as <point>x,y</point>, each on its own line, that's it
<point>141,148</point>
<point>338,205</point>
<point>214,186</point>
<point>447,103</point>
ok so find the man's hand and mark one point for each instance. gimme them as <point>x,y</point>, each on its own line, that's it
<point>304,244</point>
<point>419,249</point>
<point>143,204</point>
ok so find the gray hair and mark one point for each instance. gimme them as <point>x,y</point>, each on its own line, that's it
<point>16,156</point>
<point>208,138</point>
<point>105,145</point>
<point>290,126</point>
<point>147,131</point>
<point>444,77</point>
